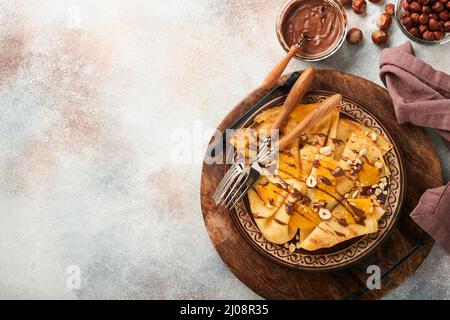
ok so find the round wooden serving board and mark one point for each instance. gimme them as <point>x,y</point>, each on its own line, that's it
<point>398,257</point>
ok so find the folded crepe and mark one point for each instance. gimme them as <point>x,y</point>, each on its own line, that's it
<point>345,157</point>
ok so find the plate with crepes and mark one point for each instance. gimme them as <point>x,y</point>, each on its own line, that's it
<point>337,191</point>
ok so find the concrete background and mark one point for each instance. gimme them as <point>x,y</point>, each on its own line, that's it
<point>93,97</point>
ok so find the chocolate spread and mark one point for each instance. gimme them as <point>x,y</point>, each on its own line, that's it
<point>322,23</point>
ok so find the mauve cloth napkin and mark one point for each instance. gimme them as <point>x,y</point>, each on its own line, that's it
<point>421,96</point>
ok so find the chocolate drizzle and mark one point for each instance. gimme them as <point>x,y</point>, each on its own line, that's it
<point>360,213</point>
<point>316,163</point>
<point>338,141</point>
<point>339,234</point>
<point>338,172</point>
<point>289,208</point>
<point>324,180</point>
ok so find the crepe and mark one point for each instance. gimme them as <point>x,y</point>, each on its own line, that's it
<point>345,159</point>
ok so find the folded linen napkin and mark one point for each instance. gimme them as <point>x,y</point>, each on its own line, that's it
<point>421,96</point>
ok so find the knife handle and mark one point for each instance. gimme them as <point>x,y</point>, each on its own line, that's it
<point>321,112</point>
<point>297,92</point>
<point>278,69</point>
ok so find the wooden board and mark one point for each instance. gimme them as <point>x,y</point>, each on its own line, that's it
<point>398,257</point>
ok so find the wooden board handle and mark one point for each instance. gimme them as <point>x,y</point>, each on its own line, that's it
<point>278,69</point>
<point>297,92</point>
<point>321,112</point>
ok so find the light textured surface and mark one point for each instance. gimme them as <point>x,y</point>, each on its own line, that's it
<point>93,95</point>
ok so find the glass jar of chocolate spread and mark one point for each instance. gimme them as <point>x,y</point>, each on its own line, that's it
<point>324,23</point>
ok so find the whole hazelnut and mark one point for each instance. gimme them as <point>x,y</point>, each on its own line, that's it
<point>405,5</point>
<point>406,14</point>
<point>414,31</point>
<point>433,24</point>
<point>345,2</point>
<point>384,21</point>
<point>447,26</point>
<point>389,8</point>
<point>423,28</point>
<point>441,25</point>
<point>415,7</point>
<point>438,35</point>
<point>354,36</point>
<point>359,6</point>
<point>433,16</point>
<point>437,7</point>
<point>448,5</point>
<point>415,18</point>
<point>379,37</point>
<point>408,22</point>
<point>426,9</point>
<point>423,18</point>
<point>428,35</point>
<point>443,15</point>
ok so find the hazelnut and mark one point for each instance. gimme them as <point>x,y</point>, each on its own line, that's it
<point>406,14</point>
<point>359,6</point>
<point>415,18</point>
<point>414,31</point>
<point>433,24</point>
<point>423,28</point>
<point>426,9</point>
<point>325,214</point>
<point>441,25</point>
<point>423,18</point>
<point>415,7</point>
<point>408,22</point>
<point>447,26</point>
<point>448,5</point>
<point>390,9</point>
<point>438,35</point>
<point>443,15</point>
<point>326,151</point>
<point>443,2</point>
<point>437,7</point>
<point>345,2</point>
<point>428,35</point>
<point>354,36</point>
<point>379,37</point>
<point>384,21</point>
<point>311,181</point>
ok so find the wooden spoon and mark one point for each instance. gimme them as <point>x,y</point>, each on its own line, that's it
<point>297,92</point>
<point>320,113</point>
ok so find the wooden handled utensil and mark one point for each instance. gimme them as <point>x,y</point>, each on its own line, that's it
<point>297,92</point>
<point>321,112</point>
<point>233,189</point>
<point>278,69</point>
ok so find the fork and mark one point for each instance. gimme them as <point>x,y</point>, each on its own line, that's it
<point>245,180</point>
